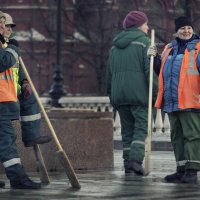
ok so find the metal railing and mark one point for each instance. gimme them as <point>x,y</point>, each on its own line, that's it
<point>161,125</point>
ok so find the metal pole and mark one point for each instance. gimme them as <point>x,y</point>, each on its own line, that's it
<point>57,90</point>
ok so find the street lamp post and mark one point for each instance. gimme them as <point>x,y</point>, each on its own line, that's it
<point>57,90</point>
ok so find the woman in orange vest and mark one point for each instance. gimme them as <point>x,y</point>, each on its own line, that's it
<point>179,96</point>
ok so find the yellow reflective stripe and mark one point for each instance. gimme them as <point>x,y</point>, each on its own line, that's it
<point>16,78</point>
<point>30,117</point>
<point>11,162</point>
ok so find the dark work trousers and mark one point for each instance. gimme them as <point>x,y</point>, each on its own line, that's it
<point>30,118</point>
<point>134,120</point>
<point>9,153</point>
<point>185,138</point>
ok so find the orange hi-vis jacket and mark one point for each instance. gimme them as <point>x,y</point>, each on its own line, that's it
<point>189,80</point>
<point>8,85</point>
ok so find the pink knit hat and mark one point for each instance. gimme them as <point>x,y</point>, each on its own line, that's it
<point>134,19</point>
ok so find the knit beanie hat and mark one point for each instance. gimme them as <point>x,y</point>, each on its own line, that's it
<point>134,19</point>
<point>182,21</point>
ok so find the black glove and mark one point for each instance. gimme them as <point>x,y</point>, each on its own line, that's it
<point>2,40</point>
<point>13,42</point>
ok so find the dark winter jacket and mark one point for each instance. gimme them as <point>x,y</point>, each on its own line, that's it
<point>128,69</point>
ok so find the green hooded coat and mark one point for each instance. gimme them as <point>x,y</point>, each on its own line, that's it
<point>128,69</point>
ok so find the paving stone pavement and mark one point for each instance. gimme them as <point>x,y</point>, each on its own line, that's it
<point>111,184</point>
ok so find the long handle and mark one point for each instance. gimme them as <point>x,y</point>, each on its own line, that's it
<point>65,161</point>
<point>44,177</point>
<point>149,129</point>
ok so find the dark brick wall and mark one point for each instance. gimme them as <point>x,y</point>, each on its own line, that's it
<point>78,77</point>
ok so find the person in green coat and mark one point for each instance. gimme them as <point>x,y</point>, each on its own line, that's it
<point>128,87</point>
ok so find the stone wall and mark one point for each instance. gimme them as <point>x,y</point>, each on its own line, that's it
<point>85,136</point>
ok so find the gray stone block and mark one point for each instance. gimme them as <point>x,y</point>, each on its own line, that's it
<point>85,136</point>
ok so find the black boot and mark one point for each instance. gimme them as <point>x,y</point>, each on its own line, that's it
<point>19,179</point>
<point>39,140</point>
<point>175,177</point>
<point>25,183</point>
<point>2,184</point>
<point>190,176</point>
<point>126,167</point>
<point>135,166</point>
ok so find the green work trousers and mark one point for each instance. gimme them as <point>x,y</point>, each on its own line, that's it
<point>185,138</point>
<point>134,120</point>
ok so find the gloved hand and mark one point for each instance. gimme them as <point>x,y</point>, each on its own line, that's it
<point>152,51</point>
<point>13,42</point>
<point>26,90</point>
<point>2,40</point>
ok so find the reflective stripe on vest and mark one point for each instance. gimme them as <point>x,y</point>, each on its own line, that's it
<point>9,80</point>
<point>29,118</point>
<point>15,68</point>
<point>188,87</point>
<point>191,64</point>
<point>4,77</point>
<point>11,162</point>
<point>7,86</point>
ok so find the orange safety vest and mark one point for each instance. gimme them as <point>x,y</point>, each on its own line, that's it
<point>8,86</point>
<point>189,81</point>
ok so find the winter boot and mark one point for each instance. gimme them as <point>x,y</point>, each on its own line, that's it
<point>136,167</point>
<point>126,167</point>
<point>19,179</point>
<point>24,183</point>
<point>175,177</point>
<point>190,176</point>
<point>2,184</point>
